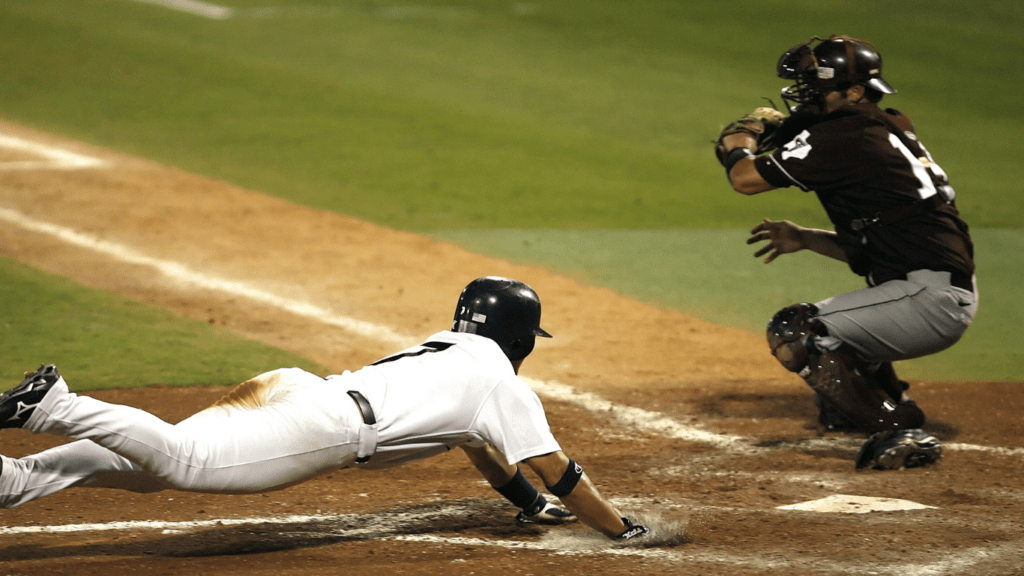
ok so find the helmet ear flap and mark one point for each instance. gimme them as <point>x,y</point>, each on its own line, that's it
<point>519,348</point>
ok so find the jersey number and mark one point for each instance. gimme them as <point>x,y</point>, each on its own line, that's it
<point>424,349</point>
<point>925,169</point>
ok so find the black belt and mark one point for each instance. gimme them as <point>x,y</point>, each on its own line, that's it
<point>899,214</point>
<point>367,413</point>
<point>961,280</point>
<point>958,279</point>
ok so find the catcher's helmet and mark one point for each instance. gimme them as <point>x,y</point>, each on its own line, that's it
<point>504,310</point>
<point>836,63</point>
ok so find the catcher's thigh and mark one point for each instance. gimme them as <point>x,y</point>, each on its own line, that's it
<point>900,319</point>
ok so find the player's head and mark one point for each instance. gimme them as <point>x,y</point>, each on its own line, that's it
<point>835,64</point>
<point>504,310</point>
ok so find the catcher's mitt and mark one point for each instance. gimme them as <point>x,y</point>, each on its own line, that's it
<point>761,124</point>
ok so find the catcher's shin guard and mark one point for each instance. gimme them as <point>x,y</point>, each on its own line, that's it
<point>831,418</point>
<point>884,376</point>
<point>837,376</point>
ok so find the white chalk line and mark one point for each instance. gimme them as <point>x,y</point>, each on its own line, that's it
<point>53,158</point>
<point>389,526</point>
<point>184,275</point>
<point>637,417</point>
<point>218,12</point>
<point>204,9</point>
<point>960,564</point>
<point>631,416</point>
<point>380,524</point>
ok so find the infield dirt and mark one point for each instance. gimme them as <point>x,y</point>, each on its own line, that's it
<point>437,516</point>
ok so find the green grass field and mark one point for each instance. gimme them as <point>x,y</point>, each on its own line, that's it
<point>581,127</point>
<point>109,342</point>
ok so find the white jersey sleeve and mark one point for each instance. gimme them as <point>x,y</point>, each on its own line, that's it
<point>513,419</point>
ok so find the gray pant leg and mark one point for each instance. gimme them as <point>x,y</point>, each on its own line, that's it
<point>78,464</point>
<point>900,319</point>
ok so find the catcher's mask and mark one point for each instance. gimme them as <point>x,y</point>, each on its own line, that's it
<point>836,63</point>
<point>504,310</point>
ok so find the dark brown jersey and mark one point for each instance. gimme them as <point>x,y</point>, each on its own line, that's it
<point>890,204</point>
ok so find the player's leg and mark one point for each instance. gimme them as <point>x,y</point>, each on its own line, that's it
<point>306,427</point>
<point>80,464</point>
<point>900,319</point>
<point>840,380</point>
<point>897,320</point>
<point>846,395</point>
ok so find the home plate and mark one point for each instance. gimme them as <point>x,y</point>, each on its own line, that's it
<point>855,505</point>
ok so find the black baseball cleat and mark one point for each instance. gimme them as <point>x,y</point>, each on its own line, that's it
<point>18,403</point>
<point>899,449</point>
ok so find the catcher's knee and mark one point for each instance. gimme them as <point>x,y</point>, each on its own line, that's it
<point>791,334</point>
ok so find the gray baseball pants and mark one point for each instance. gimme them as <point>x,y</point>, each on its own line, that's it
<point>899,319</point>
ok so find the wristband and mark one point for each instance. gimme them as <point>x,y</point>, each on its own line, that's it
<point>734,156</point>
<point>521,493</point>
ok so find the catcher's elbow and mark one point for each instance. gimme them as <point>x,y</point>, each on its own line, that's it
<point>745,178</point>
<point>742,186</point>
<point>748,182</point>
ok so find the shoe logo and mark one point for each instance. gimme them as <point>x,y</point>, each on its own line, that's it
<point>634,532</point>
<point>23,411</point>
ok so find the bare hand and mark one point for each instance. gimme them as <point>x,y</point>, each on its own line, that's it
<point>783,237</point>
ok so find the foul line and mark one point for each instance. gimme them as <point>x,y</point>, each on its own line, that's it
<point>637,418</point>
<point>196,7</point>
<point>218,12</point>
<point>389,526</point>
<point>190,277</point>
<point>55,158</point>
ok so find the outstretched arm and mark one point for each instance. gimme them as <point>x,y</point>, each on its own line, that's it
<point>509,481</point>
<point>583,499</point>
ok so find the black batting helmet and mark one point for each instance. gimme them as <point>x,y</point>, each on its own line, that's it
<point>504,310</point>
<point>836,63</point>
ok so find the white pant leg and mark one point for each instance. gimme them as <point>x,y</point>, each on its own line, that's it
<point>78,464</point>
<point>308,426</point>
<point>901,319</point>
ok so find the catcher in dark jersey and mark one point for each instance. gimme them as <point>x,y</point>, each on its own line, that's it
<point>895,223</point>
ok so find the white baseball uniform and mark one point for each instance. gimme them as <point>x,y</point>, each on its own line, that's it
<point>287,426</point>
